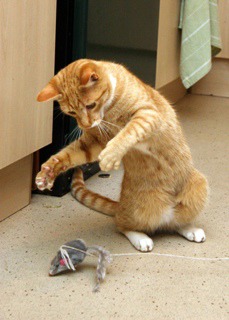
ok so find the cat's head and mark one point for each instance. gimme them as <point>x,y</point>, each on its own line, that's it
<point>82,89</point>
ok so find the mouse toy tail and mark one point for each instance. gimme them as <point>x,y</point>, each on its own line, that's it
<point>104,259</point>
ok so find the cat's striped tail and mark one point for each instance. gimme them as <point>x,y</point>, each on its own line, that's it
<point>89,198</point>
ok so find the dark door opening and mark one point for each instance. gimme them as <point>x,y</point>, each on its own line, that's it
<point>71,38</point>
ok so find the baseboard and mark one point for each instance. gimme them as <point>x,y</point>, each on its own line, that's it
<point>216,82</point>
<point>173,91</point>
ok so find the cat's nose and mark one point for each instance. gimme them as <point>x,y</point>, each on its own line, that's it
<point>95,123</point>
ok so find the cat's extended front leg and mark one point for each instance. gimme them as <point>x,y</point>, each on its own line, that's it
<point>75,154</point>
<point>141,126</point>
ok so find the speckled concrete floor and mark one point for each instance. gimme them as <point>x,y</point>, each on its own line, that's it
<point>141,286</point>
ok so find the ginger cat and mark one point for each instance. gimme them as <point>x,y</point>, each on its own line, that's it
<point>123,119</point>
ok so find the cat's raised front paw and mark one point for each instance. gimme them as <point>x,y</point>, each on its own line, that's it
<point>110,158</point>
<point>49,171</point>
<point>43,181</point>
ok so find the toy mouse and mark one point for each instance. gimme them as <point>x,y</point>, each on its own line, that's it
<point>73,253</point>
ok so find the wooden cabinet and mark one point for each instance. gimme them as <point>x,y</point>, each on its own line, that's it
<point>27,48</point>
<point>224,28</point>
<point>168,51</point>
<point>168,45</point>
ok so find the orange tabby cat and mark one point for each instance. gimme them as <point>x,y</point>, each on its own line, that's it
<point>123,119</point>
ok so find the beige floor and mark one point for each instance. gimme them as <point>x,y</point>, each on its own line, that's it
<point>138,286</point>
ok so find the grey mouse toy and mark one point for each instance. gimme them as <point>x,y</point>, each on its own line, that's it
<point>73,253</point>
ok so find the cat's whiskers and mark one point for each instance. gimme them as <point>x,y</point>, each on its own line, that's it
<point>78,134</point>
<point>75,132</point>
<point>112,124</point>
<point>68,136</point>
<point>58,114</point>
<point>107,128</point>
<point>106,134</point>
<point>98,126</point>
<point>73,135</point>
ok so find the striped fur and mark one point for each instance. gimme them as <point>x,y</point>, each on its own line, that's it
<point>89,198</point>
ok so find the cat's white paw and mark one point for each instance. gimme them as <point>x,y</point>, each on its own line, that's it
<point>144,245</point>
<point>193,234</point>
<point>109,164</point>
<point>109,159</point>
<point>139,240</point>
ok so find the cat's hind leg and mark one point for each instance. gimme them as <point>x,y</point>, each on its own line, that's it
<point>139,240</point>
<point>191,202</point>
<point>140,213</point>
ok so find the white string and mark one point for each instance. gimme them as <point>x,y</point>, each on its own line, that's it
<point>77,249</point>
<point>143,253</point>
<point>168,255</point>
<point>67,259</point>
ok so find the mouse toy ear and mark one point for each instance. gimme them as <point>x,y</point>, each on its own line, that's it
<point>88,75</point>
<point>48,93</point>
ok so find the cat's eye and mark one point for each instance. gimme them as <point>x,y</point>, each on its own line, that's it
<point>91,106</point>
<point>71,113</point>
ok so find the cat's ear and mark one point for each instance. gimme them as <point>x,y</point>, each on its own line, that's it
<point>48,93</point>
<point>88,75</point>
